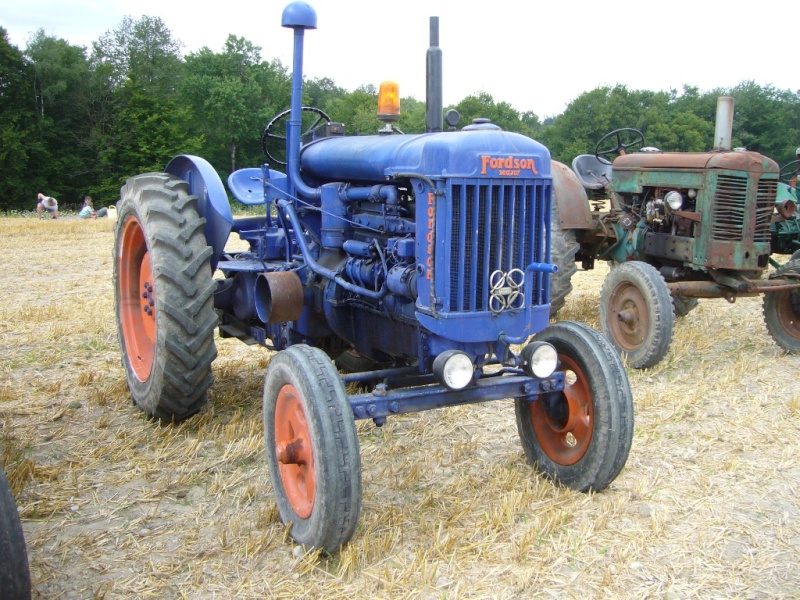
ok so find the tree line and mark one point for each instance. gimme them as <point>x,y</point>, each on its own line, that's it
<point>77,121</point>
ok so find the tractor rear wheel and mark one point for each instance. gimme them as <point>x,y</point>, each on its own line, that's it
<point>636,313</point>
<point>312,448</point>
<point>580,437</point>
<point>164,296</point>
<point>563,248</point>
<point>782,311</point>
<point>15,577</point>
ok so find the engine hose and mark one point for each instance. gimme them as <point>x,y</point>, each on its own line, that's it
<point>317,268</point>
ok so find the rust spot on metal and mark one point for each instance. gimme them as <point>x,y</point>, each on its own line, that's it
<point>279,297</point>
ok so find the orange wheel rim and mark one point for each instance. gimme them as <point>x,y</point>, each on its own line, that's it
<point>294,451</point>
<point>566,437</point>
<point>137,300</point>
<point>628,319</point>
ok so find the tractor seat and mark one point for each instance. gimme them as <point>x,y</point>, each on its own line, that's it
<point>249,187</point>
<point>593,173</point>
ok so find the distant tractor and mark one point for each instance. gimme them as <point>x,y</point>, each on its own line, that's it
<point>785,227</point>
<point>420,262</point>
<point>675,227</point>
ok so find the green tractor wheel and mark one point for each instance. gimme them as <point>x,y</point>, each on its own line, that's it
<point>782,311</point>
<point>636,313</point>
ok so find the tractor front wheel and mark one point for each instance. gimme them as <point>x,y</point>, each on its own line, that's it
<point>164,296</point>
<point>782,311</point>
<point>580,437</point>
<point>636,313</point>
<point>312,448</point>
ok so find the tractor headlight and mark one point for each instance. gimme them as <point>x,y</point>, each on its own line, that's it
<point>539,359</point>
<point>674,200</point>
<point>453,369</point>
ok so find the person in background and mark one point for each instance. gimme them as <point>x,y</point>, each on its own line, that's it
<point>88,211</point>
<point>47,203</point>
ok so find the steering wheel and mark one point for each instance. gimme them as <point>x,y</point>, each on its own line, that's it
<point>789,171</point>
<point>625,138</point>
<point>274,144</point>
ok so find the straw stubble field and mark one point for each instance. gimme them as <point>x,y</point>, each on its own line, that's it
<point>116,506</point>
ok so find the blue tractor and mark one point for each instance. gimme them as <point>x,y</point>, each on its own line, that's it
<point>419,264</point>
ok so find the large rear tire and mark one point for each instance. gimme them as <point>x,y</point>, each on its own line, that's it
<point>563,248</point>
<point>636,313</point>
<point>15,577</point>
<point>580,437</point>
<point>782,311</point>
<point>164,296</point>
<point>312,448</point>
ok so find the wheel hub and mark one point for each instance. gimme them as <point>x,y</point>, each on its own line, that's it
<point>293,449</point>
<point>628,322</point>
<point>563,422</point>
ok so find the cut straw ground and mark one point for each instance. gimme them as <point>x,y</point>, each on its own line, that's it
<point>116,506</point>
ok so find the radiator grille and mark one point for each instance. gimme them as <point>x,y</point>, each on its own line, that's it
<point>494,226</point>
<point>765,205</point>
<point>730,201</point>
<point>730,216</point>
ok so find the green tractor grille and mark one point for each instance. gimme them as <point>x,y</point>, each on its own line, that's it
<point>730,220</point>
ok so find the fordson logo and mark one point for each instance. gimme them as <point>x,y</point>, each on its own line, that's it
<point>508,166</point>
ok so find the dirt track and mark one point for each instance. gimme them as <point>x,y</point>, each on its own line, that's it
<point>115,506</point>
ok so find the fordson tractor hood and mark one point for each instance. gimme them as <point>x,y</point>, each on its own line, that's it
<point>374,159</point>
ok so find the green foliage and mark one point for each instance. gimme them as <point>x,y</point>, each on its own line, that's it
<point>143,51</point>
<point>233,94</point>
<point>16,119</point>
<point>503,114</point>
<point>766,120</point>
<point>57,74</point>
<point>72,124</point>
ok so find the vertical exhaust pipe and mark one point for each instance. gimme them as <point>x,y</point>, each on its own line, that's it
<point>723,130</point>
<point>433,75</point>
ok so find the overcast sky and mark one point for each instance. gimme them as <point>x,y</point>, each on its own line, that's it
<point>537,56</point>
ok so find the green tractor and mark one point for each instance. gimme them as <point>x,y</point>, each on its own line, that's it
<point>675,227</point>
<point>785,227</point>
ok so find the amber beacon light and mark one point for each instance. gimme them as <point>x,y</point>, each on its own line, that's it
<point>389,103</point>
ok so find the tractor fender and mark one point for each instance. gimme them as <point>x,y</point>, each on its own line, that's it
<point>212,199</point>
<point>570,198</point>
